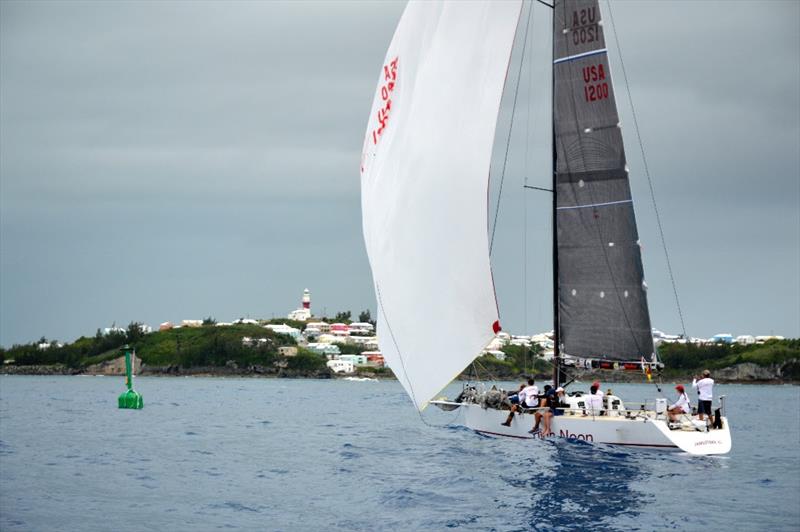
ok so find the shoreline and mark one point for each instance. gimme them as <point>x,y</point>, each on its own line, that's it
<point>261,373</point>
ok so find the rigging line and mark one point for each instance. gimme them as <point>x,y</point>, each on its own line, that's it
<point>510,130</point>
<point>492,376</point>
<point>538,188</point>
<point>647,170</point>
<point>551,6</point>
<point>525,172</point>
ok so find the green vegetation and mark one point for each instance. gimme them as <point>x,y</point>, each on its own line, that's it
<point>306,361</point>
<point>206,346</point>
<point>342,317</point>
<point>73,355</point>
<point>682,357</point>
<point>519,361</point>
<point>365,317</point>
<point>210,346</point>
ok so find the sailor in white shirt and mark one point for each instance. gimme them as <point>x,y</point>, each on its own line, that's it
<point>705,387</point>
<point>681,406</point>
<point>594,402</point>
<point>528,398</point>
<point>599,391</point>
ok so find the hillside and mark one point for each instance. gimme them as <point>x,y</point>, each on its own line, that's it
<point>186,347</point>
<point>211,349</point>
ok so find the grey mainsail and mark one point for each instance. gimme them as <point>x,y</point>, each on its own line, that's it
<point>602,298</point>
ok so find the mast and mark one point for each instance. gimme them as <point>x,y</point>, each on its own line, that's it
<point>556,332</point>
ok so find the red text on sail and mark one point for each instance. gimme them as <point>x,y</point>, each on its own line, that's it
<point>595,87</point>
<point>389,82</point>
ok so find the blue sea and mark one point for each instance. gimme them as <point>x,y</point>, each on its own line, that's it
<point>273,454</point>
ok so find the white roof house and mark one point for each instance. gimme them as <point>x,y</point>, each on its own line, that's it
<point>281,328</point>
<point>341,366</point>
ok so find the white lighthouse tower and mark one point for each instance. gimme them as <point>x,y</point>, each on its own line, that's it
<point>304,312</point>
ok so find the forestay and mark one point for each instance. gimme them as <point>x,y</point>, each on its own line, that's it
<point>602,297</point>
<point>424,187</point>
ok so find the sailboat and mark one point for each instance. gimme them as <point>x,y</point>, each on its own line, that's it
<point>425,186</point>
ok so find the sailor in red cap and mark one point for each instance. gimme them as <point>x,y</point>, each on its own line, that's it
<point>682,405</point>
<point>599,392</point>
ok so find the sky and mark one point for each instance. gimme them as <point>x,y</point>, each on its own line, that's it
<point>162,161</point>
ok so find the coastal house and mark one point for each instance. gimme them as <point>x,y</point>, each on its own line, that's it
<point>357,360</point>
<point>340,366</point>
<point>722,338</point>
<point>287,351</point>
<point>363,328</point>
<point>191,323</point>
<point>340,329</point>
<point>366,341</point>
<point>167,325</point>
<point>495,344</point>
<point>310,333</point>
<point>323,349</point>
<point>301,314</point>
<point>374,358</point>
<point>321,326</point>
<point>281,328</point>
<point>521,341</point>
<point>328,339</point>
<point>762,339</point>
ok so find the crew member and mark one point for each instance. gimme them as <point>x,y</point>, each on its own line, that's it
<point>594,401</point>
<point>681,406</point>
<point>705,387</point>
<point>555,408</point>
<point>528,398</point>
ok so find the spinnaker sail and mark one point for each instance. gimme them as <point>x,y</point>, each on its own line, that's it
<point>424,187</point>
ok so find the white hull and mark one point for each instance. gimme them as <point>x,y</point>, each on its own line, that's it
<point>644,431</point>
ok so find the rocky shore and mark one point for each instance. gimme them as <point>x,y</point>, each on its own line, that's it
<point>740,373</point>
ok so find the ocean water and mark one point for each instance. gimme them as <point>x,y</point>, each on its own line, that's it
<point>268,454</point>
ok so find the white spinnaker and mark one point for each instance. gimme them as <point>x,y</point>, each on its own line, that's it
<point>424,187</point>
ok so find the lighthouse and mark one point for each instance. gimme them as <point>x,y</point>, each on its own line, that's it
<point>304,312</point>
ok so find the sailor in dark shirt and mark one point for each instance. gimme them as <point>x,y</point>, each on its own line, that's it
<point>548,390</point>
<point>555,408</point>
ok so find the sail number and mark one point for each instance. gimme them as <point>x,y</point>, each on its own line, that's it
<point>389,81</point>
<point>594,85</point>
<point>585,35</point>
<point>585,27</point>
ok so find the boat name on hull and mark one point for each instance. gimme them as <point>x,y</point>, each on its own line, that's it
<point>569,435</point>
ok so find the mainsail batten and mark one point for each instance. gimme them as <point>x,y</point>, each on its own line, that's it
<point>602,299</point>
<point>424,179</point>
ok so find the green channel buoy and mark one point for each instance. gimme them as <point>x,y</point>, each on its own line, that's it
<point>129,399</point>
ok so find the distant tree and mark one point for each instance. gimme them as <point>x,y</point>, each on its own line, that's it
<point>209,321</point>
<point>305,361</point>
<point>364,316</point>
<point>134,332</point>
<point>342,316</point>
